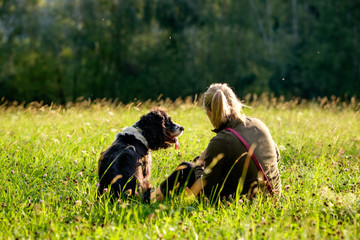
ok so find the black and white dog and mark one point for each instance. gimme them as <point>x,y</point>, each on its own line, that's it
<point>125,166</point>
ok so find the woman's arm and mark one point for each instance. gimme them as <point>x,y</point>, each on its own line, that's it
<point>190,193</point>
<point>195,189</point>
<point>201,159</point>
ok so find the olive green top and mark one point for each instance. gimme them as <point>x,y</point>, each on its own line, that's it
<point>225,142</point>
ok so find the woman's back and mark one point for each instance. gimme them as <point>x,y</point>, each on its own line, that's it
<point>254,132</point>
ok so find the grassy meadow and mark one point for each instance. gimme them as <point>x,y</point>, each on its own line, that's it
<point>48,176</point>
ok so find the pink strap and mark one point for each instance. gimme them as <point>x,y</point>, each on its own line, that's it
<point>268,185</point>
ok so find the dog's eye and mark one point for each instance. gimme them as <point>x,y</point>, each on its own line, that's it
<point>168,121</point>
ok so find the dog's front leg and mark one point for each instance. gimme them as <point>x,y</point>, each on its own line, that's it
<point>147,171</point>
<point>145,183</point>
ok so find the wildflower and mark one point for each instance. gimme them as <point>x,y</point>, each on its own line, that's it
<point>341,151</point>
<point>78,203</point>
<point>75,161</point>
<point>282,148</point>
<point>287,187</point>
<point>68,136</point>
<point>80,174</point>
<point>12,171</point>
<point>45,175</point>
<point>97,185</point>
<point>105,189</point>
<point>25,175</point>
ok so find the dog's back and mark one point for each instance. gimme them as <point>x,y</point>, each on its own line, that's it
<point>121,166</point>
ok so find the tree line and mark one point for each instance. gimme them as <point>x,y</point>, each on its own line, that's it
<point>59,50</point>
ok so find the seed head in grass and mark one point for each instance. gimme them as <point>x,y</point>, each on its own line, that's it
<point>78,203</point>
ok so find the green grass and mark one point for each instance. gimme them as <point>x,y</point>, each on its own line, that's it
<point>48,159</point>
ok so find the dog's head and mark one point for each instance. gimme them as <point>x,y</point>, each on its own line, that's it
<point>159,130</point>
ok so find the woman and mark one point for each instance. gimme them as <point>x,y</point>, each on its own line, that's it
<point>226,158</point>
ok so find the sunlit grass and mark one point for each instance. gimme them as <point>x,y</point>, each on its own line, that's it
<point>49,160</point>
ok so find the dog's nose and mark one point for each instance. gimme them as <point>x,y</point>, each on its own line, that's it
<point>181,128</point>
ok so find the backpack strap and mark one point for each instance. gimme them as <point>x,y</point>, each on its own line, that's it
<point>268,185</point>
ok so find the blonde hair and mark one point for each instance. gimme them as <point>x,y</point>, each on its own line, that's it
<point>223,104</point>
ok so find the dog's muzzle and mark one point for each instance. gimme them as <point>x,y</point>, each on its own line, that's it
<point>173,133</point>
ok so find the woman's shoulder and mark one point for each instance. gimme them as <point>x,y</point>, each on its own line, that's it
<point>250,122</point>
<point>250,126</point>
<point>222,139</point>
<point>254,121</point>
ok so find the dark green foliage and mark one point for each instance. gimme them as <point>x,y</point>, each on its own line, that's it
<point>61,50</point>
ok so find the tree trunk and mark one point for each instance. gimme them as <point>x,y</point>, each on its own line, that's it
<point>294,21</point>
<point>270,30</point>
<point>268,38</point>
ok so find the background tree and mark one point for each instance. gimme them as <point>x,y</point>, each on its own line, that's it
<point>59,50</point>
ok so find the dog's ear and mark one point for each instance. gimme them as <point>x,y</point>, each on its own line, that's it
<point>152,126</point>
